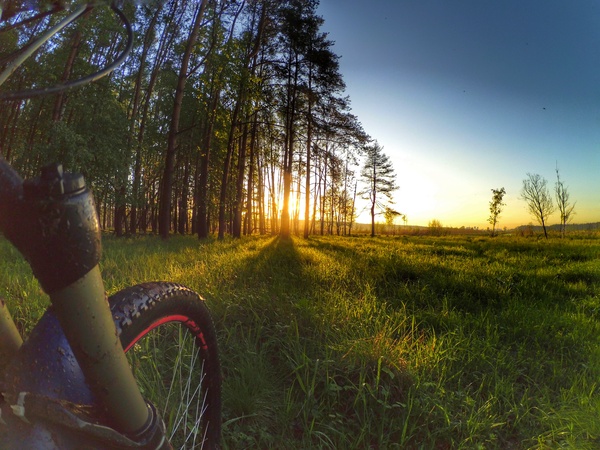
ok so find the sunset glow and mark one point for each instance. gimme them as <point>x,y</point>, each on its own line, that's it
<point>465,99</point>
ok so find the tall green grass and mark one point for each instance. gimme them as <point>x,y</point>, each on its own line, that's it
<point>407,342</point>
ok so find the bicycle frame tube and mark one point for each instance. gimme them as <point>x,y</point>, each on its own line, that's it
<point>52,221</point>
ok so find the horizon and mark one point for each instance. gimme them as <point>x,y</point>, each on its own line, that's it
<point>499,228</point>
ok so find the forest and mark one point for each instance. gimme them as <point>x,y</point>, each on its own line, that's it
<point>227,118</point>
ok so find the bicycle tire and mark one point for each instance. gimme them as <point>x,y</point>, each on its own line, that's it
<point>147,316</point>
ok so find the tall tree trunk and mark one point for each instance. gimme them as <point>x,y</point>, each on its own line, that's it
<point>227,164</point>
<point>260,191</point>
<point>274,211</point>
<point>352,210</point>
<point>167,184</point>
<point>239,186</point>
<point>250,188</point>
<point>183,205</point>
<point>120,211</point>
<point>313,221</point>
<point>60,99</point>
<point>249,60</point>
<point>137,171</point>
<point>331,205</point>
<point>11,122</point>
<point>288,155</point>
<point>215,70</point>
<point>373,198</point>
<point>196,195</point>
<point>324,194</point>
<point>202,219</point>
<point>308,156</point>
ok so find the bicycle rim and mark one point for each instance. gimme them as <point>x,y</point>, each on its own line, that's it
<point>170,370</point>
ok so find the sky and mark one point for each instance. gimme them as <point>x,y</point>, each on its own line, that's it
<point>466,96</point>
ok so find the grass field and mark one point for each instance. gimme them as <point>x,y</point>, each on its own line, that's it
<point>405,342</point>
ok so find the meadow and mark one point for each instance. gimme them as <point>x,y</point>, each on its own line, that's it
<point>449,342</point>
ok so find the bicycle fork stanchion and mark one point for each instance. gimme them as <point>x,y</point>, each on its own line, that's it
<point>60,237</point>
<point>90,330</point>
<point>11,188</point>
<point>10,339</point>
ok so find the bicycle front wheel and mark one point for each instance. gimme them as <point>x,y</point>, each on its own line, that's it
<point>169,338</point>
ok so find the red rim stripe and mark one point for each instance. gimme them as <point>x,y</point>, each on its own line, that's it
<point>189,323</point>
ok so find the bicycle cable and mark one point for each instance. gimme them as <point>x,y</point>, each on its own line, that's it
<point>29,93</point>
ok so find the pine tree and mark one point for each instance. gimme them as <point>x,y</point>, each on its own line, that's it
<point>379,178</point>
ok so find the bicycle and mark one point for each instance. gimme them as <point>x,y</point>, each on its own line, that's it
<point>90,374</point>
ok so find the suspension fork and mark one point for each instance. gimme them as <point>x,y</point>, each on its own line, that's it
<point>54,224</point>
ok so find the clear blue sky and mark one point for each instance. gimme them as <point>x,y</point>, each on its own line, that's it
<point>470,95</point>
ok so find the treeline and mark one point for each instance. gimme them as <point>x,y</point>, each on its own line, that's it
<point>228,117</point>
<point>526,230</point>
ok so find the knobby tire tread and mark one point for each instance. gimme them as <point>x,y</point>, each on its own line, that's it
<point>137,308</point>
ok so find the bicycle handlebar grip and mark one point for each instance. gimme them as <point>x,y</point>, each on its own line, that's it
<point>60,232</point>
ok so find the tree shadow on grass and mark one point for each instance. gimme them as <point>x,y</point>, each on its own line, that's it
<point>272,334</point>
<point>283,314</point>
<point>419,278</point>
<point>276,268</point>
<point>508,319</point>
